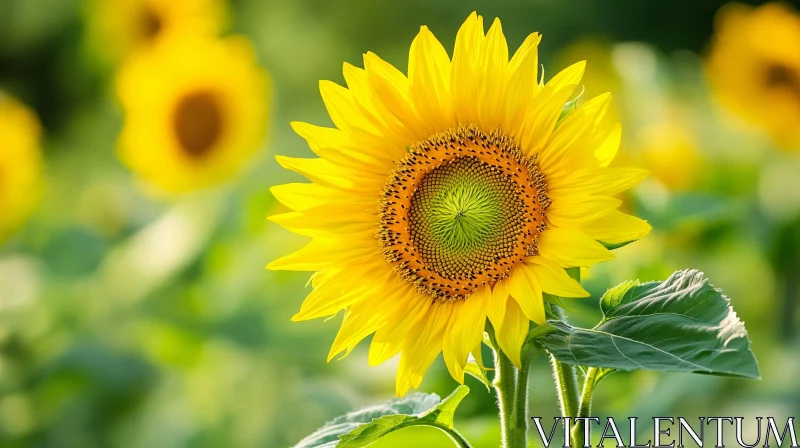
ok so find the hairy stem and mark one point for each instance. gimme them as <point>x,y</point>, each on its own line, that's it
<point>584,406</point>
<point>511,385</point>
<point>455,436</point>
<point>566,377</point>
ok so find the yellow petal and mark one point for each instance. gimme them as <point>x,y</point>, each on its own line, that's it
<point>396,133</point>
<point>335,294</point>
<point>492,88</point>
<point>303,196</point>
<point>616,227</point>
<point>570,76</point>
<point>389,338</point>
<point>540,121</point>
<point>323,253</point>
<point>496,308</point>
<point>571,135</point>
<point>567,211</point>
<point>512,335</point>
<point>429,81</point>
<point>329,219</point>
<point>525,289</point>
<point>389,90</point>
<point>419,352</point>
<point>322,172</point>
<point>363,319</point>
<point>522,87</point>
<point>608,150</point>
<point>343,110</point>
<point>333,145</point>
<point>554,279</point>
<point>597,181</point>
<point>464,331</point>
<point>571,248</point>
<point>464,71</point>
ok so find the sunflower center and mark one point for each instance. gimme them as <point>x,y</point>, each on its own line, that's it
<point>150,23</point>
<point>460,211</point>
<point>198,123</point>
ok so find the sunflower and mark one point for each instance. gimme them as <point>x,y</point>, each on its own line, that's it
<point>754,67</point>
<point>119,27</point>
<point>195,111</point>
<point>668,150</point>
<point>20,164</point>
<point>449,196</point>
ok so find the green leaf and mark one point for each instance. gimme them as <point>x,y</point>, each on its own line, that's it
<point>363,427</point>
<point>682,324</point>
<point>473,369</point>
<point>612,246</point>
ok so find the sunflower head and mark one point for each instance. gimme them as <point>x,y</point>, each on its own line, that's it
<point>754,67</point>
<point>195,111</point>
<point>451,195</point>
<point>118,28</point>
<point>20,164</point>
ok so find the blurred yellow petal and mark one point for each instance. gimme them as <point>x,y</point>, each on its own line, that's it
<point>21,174</point>
<point>195,111</point>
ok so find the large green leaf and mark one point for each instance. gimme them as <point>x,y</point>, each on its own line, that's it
<point>363,427</point>
<point>682,324</point>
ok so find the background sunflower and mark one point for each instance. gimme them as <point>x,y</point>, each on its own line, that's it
<point>130,322</point>
<point>754,67</point>
<point>195,111</point>
<point>20,164</point>
<point>117,28</point>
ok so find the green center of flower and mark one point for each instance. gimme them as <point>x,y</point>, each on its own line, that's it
<point>464,215</point>
<point>460,211</point>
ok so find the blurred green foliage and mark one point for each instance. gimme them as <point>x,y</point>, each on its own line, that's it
<point>132,321</point>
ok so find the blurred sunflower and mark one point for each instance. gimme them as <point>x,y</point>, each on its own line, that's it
<point>669,151</point>
<point>754,67</point>
<point>452,195</point>
<point>195,111</point>
<point>119,27</point>
<point>20,164</point>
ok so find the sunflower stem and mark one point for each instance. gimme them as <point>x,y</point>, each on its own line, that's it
<point>584,406</point>
<point>455,436</point>
<point>511,385</point>
<point>566,377</point>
